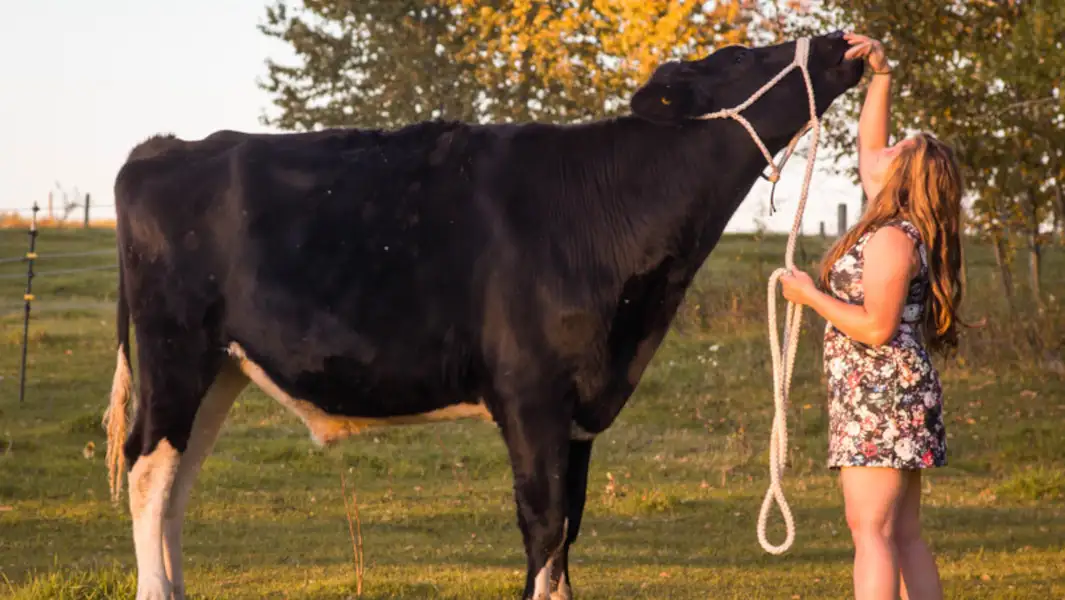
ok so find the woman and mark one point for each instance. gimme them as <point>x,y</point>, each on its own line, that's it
<point>894,289</point>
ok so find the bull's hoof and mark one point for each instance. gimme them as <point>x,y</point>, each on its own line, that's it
<point>154,589</point>
<point>562,590</point>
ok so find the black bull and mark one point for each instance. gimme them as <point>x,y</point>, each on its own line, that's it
<point>522,273</point>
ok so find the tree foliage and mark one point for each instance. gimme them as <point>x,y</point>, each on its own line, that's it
<point>985,76</point>
<point>384,63</point>
<point>363,62</point>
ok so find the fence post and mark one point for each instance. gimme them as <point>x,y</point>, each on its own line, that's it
<point>28,298</point>
<point>822,230</point>
<point>841,219</point>
<point>88,199</point>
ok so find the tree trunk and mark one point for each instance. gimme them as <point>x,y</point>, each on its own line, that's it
<point>1035,250</point>
<point>1059,212</point>
<point>1035,263</point>
<point>998,244</point>
<point>964,271</point>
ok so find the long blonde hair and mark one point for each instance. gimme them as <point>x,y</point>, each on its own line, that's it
<point>924,187</point>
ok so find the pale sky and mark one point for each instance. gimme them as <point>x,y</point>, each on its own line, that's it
<point>83,82</point>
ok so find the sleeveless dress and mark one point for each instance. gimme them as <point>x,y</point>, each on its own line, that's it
<point>885,402</point>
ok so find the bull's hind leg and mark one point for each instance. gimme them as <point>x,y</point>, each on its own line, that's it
<point>204,433</point>
<point>150,481</point>
<point>176,372</point>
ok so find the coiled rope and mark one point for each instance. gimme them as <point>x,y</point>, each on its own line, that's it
<point>783,355</point>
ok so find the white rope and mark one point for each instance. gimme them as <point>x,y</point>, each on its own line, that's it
<point>782,365</point>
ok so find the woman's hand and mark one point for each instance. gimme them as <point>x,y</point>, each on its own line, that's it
<point>798,287</point>
<point>869,49</point>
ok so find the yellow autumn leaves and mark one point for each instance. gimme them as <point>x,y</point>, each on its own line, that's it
<point>385,63</point>
<point>585,50</point>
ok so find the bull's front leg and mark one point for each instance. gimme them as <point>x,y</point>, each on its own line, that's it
<point>580,453</point>
<point>537,438</point>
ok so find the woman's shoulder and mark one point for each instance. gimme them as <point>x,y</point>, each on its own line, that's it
<point>890,229</point>
<point>890,238</point>
<point>899,235</point>
<point>906,226</point>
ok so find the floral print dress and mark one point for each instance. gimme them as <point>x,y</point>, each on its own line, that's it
<point>885,402</point>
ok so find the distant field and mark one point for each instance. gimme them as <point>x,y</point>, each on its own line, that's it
<point>21,219</point>
<point>673,495</point>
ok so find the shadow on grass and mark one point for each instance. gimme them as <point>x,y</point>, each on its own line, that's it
<point>114,582</point>
<point>703,533</point>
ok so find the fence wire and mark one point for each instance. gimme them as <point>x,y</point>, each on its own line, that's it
<point>40,257</point>
<point>29,209</point>
<point>11,309</point>
<point>37,274</point>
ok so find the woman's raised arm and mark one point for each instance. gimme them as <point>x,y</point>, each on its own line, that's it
<point>874,123</point>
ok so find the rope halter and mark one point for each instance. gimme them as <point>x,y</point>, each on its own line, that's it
<point>802,56</point>
<point>782,365</point>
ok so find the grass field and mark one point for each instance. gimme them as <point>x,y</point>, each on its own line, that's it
<point>673,496</point>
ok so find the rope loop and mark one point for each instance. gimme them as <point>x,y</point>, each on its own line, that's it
<point>783,355</point>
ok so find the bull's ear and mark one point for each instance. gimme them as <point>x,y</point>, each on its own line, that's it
<point>664,102</point>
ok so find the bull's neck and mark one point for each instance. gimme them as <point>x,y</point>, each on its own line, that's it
<point>705,171</point>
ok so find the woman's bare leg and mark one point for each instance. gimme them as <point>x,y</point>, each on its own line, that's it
<point>872,496</point>
<point>919,576</point>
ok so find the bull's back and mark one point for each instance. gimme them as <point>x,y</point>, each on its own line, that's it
<point>346,267</point>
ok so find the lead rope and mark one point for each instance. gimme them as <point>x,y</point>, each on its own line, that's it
<point>782,365</point>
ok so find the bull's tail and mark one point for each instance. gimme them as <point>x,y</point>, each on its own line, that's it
<point>117,415</point>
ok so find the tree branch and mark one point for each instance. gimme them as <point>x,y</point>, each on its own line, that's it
<point>1024,104</point>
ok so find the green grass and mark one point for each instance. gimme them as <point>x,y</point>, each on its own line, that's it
<point>673,496</point>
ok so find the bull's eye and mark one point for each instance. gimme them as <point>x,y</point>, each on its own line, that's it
<point>740,56</point>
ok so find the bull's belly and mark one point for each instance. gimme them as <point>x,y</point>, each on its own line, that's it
<point>326,428</point>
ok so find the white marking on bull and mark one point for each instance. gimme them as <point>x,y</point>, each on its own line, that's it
<point>542,591</point>
<point>150,481</point>
<point>206,426</point>
<point>564,591</point>
<point>326,428</point>
<point>542,583</point>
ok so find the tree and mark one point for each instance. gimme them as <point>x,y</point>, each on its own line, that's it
<point>384,63</point>
<point>1026,125</point>
<point>369,62</point>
